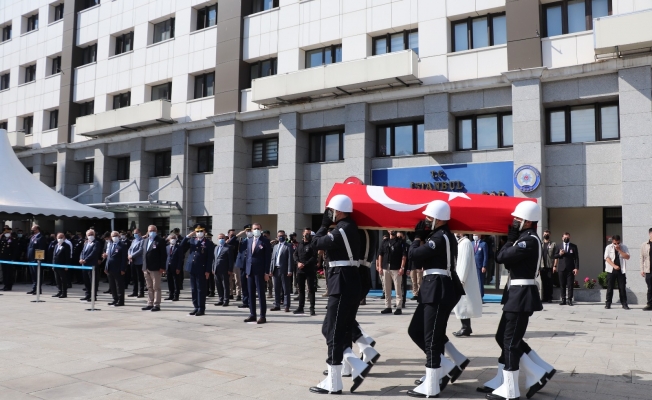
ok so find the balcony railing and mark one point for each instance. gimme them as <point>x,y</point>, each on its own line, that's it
<point>129,118</point>
<point>623,33</point>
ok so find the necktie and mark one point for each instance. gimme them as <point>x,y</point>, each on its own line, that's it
<point>253,246</point>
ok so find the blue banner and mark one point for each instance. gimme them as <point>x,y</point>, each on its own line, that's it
<point>489,178</point>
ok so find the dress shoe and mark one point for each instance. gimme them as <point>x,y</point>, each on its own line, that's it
<point>31,292</point>
<point>250,319</point>
<point>625,306</point>
<point>608,306</point>
<point>261,320</point>
<point>57,295</point>
<point>111,303</point>
<point>169,298</point>
<point>386,311</point>
<point>221,303</point>
<point>238,298</point>
<point>363,302</point>
<point>563,302</point>
<point>119,304</point>
<point>462,332</point>
<point>193,312</point>
<point>107,291</point>
<point>226,304</point>
<point>269,295</point>
<point>85,299</point>
<point>211,295</point>
<point>156,308</point>
<point>382,297</point>
<point>199,313</point>
<point>398,311</point>
<point>148,308</point>
<point>312,312</point>
<point>287,309</point>
<point>230,297</point>
<point>275,309</point>
<point>141,295</point>
<point>298,311</point>
<point>570,302</point>
<point>133,295</point>
<point>63,296</point>
<point>403,305</point>
<point>647,308</point>
<point>296,298</point>
<point>176,298</point>
<point>243,306</point>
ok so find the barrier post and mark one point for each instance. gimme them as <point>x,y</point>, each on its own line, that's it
<point>93,291</point>
<point>38,283</point>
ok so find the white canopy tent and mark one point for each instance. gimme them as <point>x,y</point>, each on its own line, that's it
<point>24,194</point>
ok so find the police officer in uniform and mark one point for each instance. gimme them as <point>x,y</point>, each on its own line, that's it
<point>9,251</point>
<point>305,257</point>
<point>521,255</point>
<point>199,264</point>
<point>343,246</point>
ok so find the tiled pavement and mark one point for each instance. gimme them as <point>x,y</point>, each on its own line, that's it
<point>56,350</point>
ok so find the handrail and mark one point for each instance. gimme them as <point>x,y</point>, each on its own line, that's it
<point>151,195</point>
<point>107,198</point>
<point>82,193</point>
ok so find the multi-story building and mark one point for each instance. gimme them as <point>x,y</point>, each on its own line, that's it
<point>259,107</point>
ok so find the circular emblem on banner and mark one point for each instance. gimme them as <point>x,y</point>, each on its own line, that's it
<point>527,178</point>
<point>353,181</point>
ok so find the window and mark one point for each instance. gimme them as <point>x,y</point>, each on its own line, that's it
<point>205,159</point>
<point>54,119</point>
<point>207,221</point>
<point>587,123</point>
<point>484,132</point>
<point>89,54</point>
<point>6,33</point>
<point>324,56</point>
<point>325,147</point>
<point>262,5</point>
<point>162,225</point>
<point>56,65</point>
<point>30,73</point>
<point>4,81</point>
<point>474,33</point>
<point>163,30</point>
<point>265,153</point>
<point>3,125</point>
<point>89,3</point>
<point>32,23</point>
<point>204,85</point>
<point>207,17</point>
<point>124,43</point>
<point>162,92</point>
<point>28,125</point>
<point>263,68</point>
<point>87,108</point>
<point>58,12</point>
<point>396,42</point>
<point>123,168</point>
<point>400,140</point>
<point>121,100</point>
<point>570,16</point>
<point>163,163</point>
<point>89,168</point>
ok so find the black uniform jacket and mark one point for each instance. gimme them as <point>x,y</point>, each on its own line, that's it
<point>307,255</point>
<point>436,289</point>
<point>341,280</point>
<point>521,259</point>
<point>9,249</point>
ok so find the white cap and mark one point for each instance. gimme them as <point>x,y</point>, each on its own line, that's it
<point>341,203</point>
<point>528,211</point>
<point>438,209</point>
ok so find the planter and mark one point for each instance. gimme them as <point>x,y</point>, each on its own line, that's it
<point>600,295</point>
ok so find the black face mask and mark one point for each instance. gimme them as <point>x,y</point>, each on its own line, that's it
<point>516,224</point>
<point>566,240</point>
<point>546,237</point>
<point>306,238</point>
<point>429,223</point>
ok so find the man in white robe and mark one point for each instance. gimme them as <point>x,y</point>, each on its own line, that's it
<point>470,305</point>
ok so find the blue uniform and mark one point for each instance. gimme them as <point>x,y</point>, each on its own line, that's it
<point>199,262</point>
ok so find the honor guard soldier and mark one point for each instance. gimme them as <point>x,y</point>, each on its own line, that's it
<point>199,264</point>
<point>9,251</point>
<point>343,246</point>
<point>521,256</point>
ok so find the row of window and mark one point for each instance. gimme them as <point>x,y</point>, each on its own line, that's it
<point>32,21</point>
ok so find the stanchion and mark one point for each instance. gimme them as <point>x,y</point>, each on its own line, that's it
<point>38,283</point>
<point>93,292</point>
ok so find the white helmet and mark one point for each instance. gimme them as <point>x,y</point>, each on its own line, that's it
<point>341,203</point>
<point>528,211</point>
<point>438,209</point>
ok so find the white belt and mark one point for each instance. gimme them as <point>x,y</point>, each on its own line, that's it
<point>523,282</point>
<point>364,263</point>
<point>435,271</point>
<point>342,264</point>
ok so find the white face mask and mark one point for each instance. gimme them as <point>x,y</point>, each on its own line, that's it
<point>91,238</point>
<point>200,234</point>
<point>115,239</point>
<point>60,240</point>
<point>7,235</point>
<point>257,232</point>
<point>173,241</point>
<point>123,237</point>
<point>250,234</point>
<point>476,237</point>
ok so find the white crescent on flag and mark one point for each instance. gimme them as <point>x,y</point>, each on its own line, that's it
<point>377,194</point>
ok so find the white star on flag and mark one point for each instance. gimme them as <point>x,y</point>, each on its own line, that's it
<point>454,195</point>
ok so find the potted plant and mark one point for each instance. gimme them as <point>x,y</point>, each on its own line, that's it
<point>589,283</point>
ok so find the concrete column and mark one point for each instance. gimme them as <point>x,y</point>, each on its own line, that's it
<point>635,104</point>
<point>179,192</point>
<point>230,182</point>
<point>359,142</point>
<point>439,124</point>
<point>105,171</point>
<point>292,155</point>
<point>69,172</point>
<point>140,164</point>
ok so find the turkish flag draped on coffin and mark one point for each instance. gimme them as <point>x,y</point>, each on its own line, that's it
<point>379,207</point>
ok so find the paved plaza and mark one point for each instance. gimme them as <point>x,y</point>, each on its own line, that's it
<point>56,350</point>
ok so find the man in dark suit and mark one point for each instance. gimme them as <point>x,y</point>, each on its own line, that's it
<point>481,255</point>
<point>36,242</point>
<point>199,264</point>
<point>222,269</point>
<point>135,257</point>
<point>116,267</point>
<point>174,267</point>
<point>61,255</point>
<point>240,242</point>
<point>568,266</point>
<point>89,256</point>
<point>305,256</point>
<point>281,269</point>
<point>154,259</point>
<point>259,255</point>
<point>9,251</point>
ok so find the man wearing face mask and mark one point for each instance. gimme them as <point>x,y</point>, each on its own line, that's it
<point>115,268</point>
<point>222,269</point>
<point>396,255</point>
<point>568,265</point>
<point>9,251</point>
<point>281,269</point>
<point>89,256</point>
<point>258,258</point>
<point>235,282</point>
<point>135,257</point>
<point>174,267</point>
<point>240,242</point>
<point>36,242</point>
<point>548,264</point>
<point>154,259</point>
<point>305,257</point>
<point>199,265</point>
<point>61,255</point>
<point>481,255</point>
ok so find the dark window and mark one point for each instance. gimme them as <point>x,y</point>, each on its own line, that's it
<point>89,3</point>
<point>162,92</point>
<point>32,23</point>
<point>30,73</point>
<point>54,174</point>
<point>392,42</point>
<point>87,108</point>
<point>58,12</point>
<point>265,153</point>
<point>89,54</point>
<point>400,139</point>
<point>56,65</point>
<point>474,33</point>
<point>205,159</point>
<point>28,125</point>
<point>208,221</point>
<point>162,225</point>
<point>262,5</point>
<point>163,163</point>
<point>484,132</point>
<point>54,119</point>
<point>326,147</point>
<point>124,43</point>
<point>204,85</point>
<point>4,81</point>
<point>3,125</point>
<point>89,168</point>
<point>262,69</point>
<point>207,17</point>
<point>587,123</point>
<point>324,56</point>
<point>6,33</point>
<point>123,168</point>
<point>121,100</point>
<point>163,30</point>
<point>570,16</point>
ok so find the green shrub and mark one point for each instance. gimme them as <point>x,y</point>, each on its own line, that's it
<point>602,280</point>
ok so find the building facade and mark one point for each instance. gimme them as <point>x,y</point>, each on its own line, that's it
<point>252,110</point>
